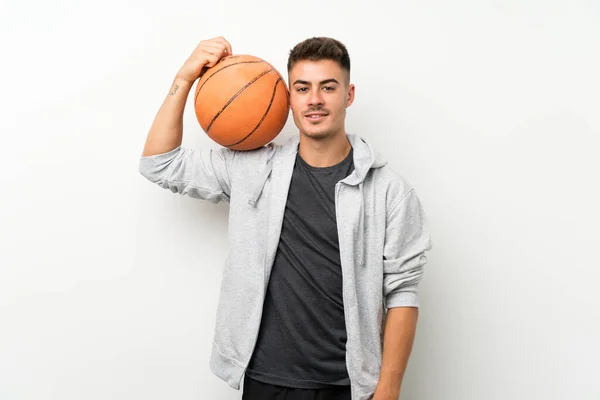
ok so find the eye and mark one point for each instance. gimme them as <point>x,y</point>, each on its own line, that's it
<point>328,88</point>
<point>301,89</point>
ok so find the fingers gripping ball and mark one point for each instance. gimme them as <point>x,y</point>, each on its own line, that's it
<point>242,102</point>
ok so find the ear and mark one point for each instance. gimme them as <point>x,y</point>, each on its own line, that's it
<point>350,95</point>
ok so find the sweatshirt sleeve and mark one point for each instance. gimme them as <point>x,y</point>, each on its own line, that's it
<point>406,241</point>
<point>202,174</point>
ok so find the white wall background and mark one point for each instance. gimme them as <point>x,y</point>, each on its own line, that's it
<point>109,285</point>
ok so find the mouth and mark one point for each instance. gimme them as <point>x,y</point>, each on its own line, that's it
<point>315,116</point>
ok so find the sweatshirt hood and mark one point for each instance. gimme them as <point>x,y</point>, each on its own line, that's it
<point>365,158</point>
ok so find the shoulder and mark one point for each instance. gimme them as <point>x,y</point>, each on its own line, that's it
<point>249,158</point>
<point>245,167</point>
<point>392,185</point>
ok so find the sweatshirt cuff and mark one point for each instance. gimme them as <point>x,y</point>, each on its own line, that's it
<point>407,297</point>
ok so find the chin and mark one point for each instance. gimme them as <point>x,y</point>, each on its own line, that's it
<point>317,134</point>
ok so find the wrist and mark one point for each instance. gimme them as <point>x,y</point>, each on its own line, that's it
<point>182,82</point>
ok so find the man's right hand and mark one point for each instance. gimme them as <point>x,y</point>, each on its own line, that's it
<point>207,54</point>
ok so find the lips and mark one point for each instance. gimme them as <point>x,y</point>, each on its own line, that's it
<point>315,116</point>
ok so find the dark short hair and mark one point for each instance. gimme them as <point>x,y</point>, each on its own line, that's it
<point>320,48</point>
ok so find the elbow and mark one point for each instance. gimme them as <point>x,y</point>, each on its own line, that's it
<point>145,169</point>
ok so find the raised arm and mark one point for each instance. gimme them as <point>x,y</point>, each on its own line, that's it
<point>199,173</point>
<point>166,131</point>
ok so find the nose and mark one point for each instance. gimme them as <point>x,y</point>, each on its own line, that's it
<point>315,98</point>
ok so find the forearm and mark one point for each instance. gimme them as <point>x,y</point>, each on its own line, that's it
<point>399,333</point>
<point>166,131</point>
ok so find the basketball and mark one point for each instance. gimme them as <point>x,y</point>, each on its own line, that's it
<point>242,102</point>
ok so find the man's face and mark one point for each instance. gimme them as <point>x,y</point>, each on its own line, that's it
<point>319,96</point>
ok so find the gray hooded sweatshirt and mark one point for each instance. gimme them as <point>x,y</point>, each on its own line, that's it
<point>383,237</point>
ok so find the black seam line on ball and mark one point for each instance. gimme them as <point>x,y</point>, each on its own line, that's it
<point>216,72</point>
<point>235,96</point>
<point>263,117</point>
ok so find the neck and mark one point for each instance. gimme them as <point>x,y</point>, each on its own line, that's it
<point>324,152</point>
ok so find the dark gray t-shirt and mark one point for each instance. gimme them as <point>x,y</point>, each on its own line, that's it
<point>302,337</point>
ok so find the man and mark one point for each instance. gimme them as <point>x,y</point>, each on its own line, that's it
<point>327,244</point>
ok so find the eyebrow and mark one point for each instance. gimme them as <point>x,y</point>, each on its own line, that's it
<point>301,82</point>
